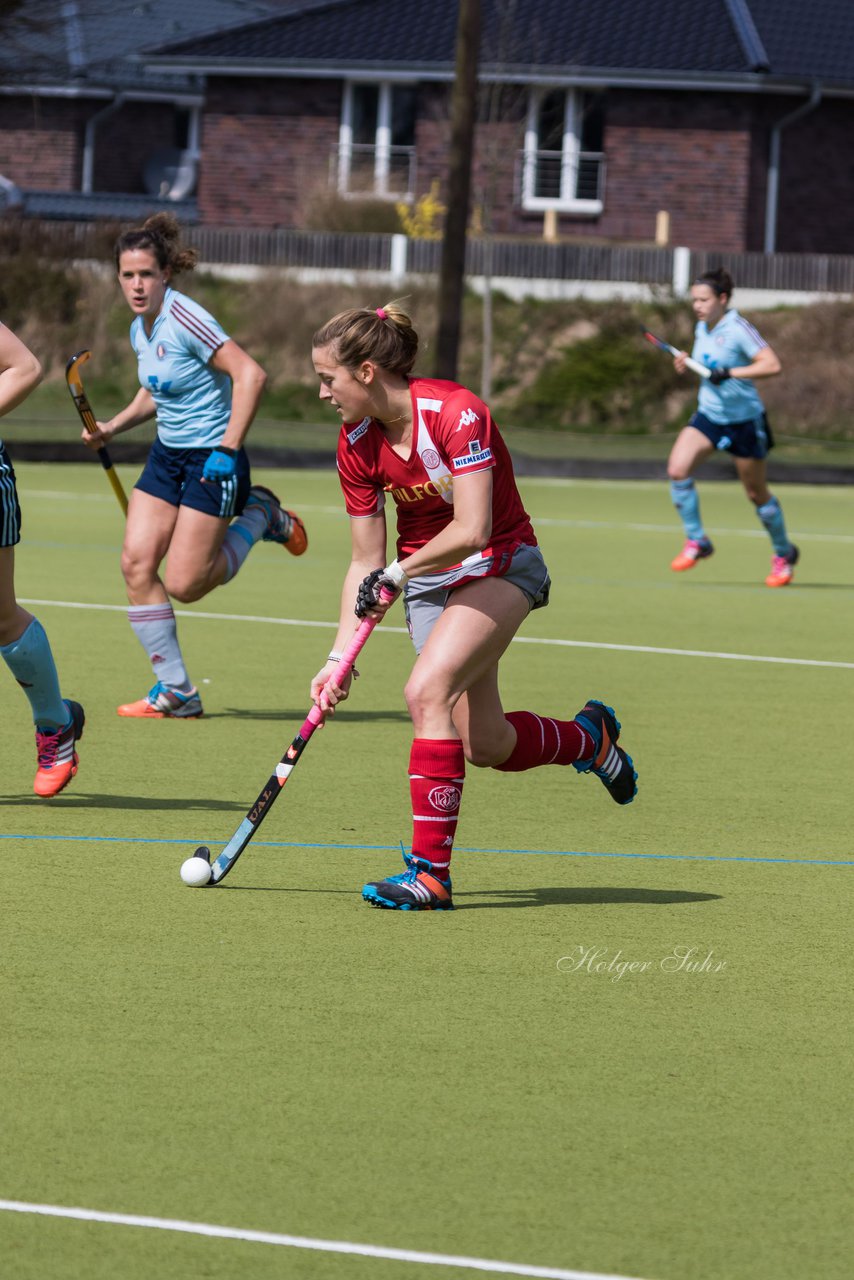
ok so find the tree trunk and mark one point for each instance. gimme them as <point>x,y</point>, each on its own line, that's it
<point>463,113</point>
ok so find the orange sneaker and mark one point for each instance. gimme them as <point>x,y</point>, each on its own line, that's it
<point>283,526</point>
<point>57,757</point>
<point>783,568</point>
<point>161,703</point>
<point>695,549</point>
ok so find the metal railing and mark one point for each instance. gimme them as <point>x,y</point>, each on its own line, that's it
<point>361,169</point>
<point>556,178</point>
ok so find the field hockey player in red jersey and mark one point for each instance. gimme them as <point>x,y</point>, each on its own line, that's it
<point>24,645</point>
<point>195,499</point>
<point>470,571</point>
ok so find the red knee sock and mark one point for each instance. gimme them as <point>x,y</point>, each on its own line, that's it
<point>542,740</point>
<point>436,772</point>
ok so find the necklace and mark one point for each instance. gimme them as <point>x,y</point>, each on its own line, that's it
<point>388,421</point>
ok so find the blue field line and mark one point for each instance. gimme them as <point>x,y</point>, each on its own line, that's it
<point>395,848</point>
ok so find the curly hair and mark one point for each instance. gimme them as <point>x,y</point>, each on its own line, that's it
<point>161,235</point>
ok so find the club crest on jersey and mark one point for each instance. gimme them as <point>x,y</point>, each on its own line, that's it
<point>358,432</point>
<point>475,454</point>
<point>431,459</point>
<point>468,418</point>
<point>446,799</point>
<point>161,351</point>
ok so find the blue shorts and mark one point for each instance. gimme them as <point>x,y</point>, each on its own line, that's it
<point>10,510</point>
<point>175,476</point>
<point>750,439</point>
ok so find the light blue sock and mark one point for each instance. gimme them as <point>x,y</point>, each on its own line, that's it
<point>31,662</point>
<point>686,502</point>
<point>771,515</point>
<point>243,533</point>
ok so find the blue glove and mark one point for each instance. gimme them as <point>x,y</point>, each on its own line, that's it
<point>220,464</point>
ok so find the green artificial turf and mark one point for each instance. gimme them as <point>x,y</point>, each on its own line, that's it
<point>493,1082</point>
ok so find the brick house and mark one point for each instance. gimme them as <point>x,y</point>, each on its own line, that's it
<point>733,116</point>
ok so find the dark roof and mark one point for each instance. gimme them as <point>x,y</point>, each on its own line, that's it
<point>792,39</point>
<point>97,43</point>
<point>811,40</point>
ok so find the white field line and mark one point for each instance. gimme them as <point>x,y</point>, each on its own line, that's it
<point>401,631</point>
<point>800,534</point>
<point>305,1242</point>
<point>545,521</point>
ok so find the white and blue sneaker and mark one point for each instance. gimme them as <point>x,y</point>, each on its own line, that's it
<point>610,763</point>
<point>418,888</point>
<point>162,703</point>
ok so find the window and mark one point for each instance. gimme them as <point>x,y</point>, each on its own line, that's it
<point>376,144</point>
<point>563,165</point>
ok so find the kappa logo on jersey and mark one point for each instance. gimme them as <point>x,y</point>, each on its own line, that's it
<point>475,454</point>
<point>446,799</point>
<point>358,432</point>
<point>468,418</point>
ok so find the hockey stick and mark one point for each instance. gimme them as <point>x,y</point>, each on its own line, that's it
<point>674,351</point>
<point>87,417</point>
<point>256,815</point>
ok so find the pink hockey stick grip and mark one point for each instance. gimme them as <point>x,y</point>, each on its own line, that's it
<point>345,666</point>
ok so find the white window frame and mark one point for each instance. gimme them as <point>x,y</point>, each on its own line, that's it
<point>567,201</point>
<point>382,142</point>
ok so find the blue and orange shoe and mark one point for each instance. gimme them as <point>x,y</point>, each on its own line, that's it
<point>610,763</point>
<point>57,757</point>
<point>283,526</point>
<point>417,888</point>
<point>162,703</point>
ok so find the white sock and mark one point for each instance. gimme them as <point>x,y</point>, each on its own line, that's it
<point>157,631</point>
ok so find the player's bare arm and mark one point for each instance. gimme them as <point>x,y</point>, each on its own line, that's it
<point>765,364</point>
<point>141,409</point>
<point>20,371</point>
<point>468,532</point>
<point>248,380</point>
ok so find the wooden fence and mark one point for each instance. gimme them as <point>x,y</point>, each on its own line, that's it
<point>518,260</point>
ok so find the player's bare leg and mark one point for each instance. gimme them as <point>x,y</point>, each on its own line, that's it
<point>455,705</point>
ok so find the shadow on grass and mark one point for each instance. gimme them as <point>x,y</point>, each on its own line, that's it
<point>295,718</point>
<point>85,800</point>
<point>566,897</point>
<point>534,897</point>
